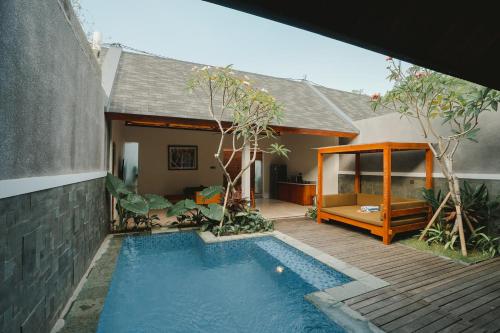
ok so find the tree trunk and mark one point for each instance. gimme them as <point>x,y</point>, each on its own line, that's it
<point>226,197</point>
<point>454,186</point>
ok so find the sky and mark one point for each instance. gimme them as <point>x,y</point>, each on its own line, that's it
<point>209,34</point>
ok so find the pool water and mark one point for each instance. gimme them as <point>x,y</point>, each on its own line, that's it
<point>177,283</point>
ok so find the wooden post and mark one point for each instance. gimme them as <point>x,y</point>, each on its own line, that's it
<point>246,177</point>
<point>387,195</point>
<point>435,216</point>
<point>319,197</point>
<point>357,174</point>
<point>463,246</point>
<point>429,159</point>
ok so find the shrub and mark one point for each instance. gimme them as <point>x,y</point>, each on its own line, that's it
<point>312,212</point>
<point>478,212</point>
<point>132,205</point>
<point>238,217</point>
<point>486,244</point>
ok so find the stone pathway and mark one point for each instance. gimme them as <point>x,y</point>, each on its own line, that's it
<point>83,315</point>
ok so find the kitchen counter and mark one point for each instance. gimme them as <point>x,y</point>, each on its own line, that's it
<point>299,193</point>
<point>300,184</point>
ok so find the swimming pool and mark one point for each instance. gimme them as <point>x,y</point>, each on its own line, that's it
<point>177,283</point>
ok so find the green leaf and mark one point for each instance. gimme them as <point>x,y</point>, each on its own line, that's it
<point>211,191</point>
<point>157,202</point>
<point>135,203</point>
<point>213,211</point>
<point>115,186</point>
<point>178,209</point>
<point>494,105</point>
<point>190,204</point>
<point>239,214</point>
<point>279,150</point>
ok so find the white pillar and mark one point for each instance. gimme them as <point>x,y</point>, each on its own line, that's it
<point>245,179</point>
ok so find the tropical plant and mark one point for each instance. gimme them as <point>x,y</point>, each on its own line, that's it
<point>132,205</point>
<point>243,115</point>
<point>188,211</point>
<point>479,211</point>
<point>312,212</point>
<point>437,235</point>
<point>238,217</point>
<point>484,243</point>
<point>442,234</point>
<point>244,222</point>
<point>428,96</point>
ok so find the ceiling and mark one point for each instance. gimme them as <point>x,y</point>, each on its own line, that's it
<point>457,38</point>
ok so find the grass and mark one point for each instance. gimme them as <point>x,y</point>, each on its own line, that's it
<point>436,249</point>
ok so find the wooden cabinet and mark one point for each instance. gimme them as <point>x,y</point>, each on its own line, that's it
<point>301,194</point>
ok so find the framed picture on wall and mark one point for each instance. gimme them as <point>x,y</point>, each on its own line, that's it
<point>182,157</point>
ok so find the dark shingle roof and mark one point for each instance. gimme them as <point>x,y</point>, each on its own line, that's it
<point>356,106</point>
<point>150,85</point>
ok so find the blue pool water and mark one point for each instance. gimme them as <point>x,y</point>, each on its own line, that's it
<point>176,283</point>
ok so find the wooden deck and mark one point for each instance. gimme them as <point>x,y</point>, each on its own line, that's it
<point>427,293</point>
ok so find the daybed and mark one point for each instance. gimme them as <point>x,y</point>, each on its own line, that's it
<point>406,214</point>
<point>396,214</point>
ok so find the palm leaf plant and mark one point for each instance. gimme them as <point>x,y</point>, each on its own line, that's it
<point>238,216</point>
<point>132,205</point>
<point>478,212</point>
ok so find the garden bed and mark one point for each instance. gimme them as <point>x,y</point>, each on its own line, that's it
<point>473,257</point>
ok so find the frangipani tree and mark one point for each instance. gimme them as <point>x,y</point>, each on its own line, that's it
<point>447,111</point>
<point>243,114</point>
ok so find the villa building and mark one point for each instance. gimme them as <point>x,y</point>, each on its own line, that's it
<point>66,116</point>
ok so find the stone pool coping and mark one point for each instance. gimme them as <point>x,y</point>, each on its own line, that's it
<point>210,238</point>
<point>81,314</point>
<point>82,311</point>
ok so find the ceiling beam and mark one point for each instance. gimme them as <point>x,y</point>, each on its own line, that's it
<point>210,125</point>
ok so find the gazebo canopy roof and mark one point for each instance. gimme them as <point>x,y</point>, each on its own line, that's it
<point>373,147</point>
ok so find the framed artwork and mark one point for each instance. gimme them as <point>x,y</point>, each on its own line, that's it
<point>181,157</point>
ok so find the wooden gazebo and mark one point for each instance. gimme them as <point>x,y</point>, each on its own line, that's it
<point>396,214</point>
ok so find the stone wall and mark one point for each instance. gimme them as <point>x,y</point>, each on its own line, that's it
<point>47,241</point>
<point>410,187</point>
<point>51,124</point>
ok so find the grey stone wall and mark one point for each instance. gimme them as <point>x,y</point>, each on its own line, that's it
<point>51,99</point>
<point>51,123</point>
<point>47,240</point>
<point>410,187</point>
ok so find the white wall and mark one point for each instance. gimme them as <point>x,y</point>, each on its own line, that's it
<point>154,176</point>
<point>303,158</point>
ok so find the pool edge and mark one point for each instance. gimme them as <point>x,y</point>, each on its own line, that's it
<point>349,319</point>
<point>103,264</point>
<point>330,301</point>
<point>365,280</point>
